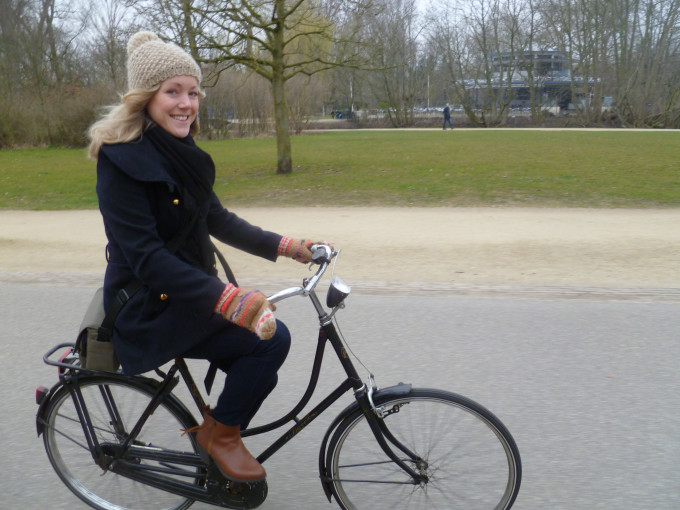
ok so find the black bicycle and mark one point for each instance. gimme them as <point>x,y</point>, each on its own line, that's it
<point>114,440</point>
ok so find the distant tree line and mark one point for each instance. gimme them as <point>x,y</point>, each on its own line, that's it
<point>271,65</point>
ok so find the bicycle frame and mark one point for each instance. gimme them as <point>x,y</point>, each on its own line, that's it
<point>111,456</point>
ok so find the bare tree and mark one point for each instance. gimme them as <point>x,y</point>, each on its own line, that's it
<point>277,39</point>
<point>646,53</point>
<point>533,23</point>
<point>448,40</point>
<point>15,16</point>
<point>40,65</point>
<point>239,104</point>
<point>581,28</point>
<point>394,33</point>
<point>482,46</point>
<point>110,25</point>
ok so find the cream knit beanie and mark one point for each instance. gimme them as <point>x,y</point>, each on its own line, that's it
<point>152,61</point>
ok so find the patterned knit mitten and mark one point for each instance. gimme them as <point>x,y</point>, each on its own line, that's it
<point>248,309</point>
<point>297,249</point>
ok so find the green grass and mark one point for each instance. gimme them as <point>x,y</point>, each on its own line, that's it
<point>397,168</point>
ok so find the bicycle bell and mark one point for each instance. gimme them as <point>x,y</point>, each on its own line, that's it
<point>337,292</point>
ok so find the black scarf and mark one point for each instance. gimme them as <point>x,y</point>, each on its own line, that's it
<point>194,170</point>
<point>191,166</point>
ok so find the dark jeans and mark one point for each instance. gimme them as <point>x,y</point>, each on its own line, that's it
<point>449,121</point>
<point>250,364</point>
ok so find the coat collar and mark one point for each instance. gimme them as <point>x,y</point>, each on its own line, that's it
<point>140,160</point>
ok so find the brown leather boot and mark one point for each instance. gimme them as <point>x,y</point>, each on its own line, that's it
<point>225,446</point>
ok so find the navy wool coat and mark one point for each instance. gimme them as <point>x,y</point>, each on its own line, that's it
<point>142,207</point>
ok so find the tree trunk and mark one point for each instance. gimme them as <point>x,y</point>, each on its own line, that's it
<point>278,81</point>
<point>285,163</point>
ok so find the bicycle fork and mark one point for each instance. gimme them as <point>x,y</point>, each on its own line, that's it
<point>375,416</point>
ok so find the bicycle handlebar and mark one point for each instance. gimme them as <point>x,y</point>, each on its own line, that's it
<point>322,255</point>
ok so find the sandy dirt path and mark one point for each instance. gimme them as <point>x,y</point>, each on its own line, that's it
<point>418,249</point>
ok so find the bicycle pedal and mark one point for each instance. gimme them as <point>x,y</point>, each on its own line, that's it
<point>232,494</point>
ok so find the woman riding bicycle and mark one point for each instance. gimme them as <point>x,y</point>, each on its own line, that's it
<point>152,183</point>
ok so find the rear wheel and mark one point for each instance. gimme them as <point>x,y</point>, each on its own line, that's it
<point>468,456</point>
<point>114,406</point>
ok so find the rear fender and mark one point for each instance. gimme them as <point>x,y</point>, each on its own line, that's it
<point>42,408</point>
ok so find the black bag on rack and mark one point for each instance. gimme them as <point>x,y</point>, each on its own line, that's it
<point>95,354</point>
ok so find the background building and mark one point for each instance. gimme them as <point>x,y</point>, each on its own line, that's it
<point>514,74</point>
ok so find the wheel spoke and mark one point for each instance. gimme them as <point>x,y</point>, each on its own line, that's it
<point>68,436</point>
<point>346,480</point>
<point>375,463</point>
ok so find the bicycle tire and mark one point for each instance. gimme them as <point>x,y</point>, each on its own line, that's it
<point>470,458</point>
<point>71,458</point>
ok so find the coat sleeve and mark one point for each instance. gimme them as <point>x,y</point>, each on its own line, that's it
<point>131,224</point>
<point>237,232</point>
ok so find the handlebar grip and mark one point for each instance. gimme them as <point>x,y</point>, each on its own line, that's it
<point>321,253</point>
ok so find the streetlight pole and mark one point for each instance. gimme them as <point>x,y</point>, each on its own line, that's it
<point>428,92</point>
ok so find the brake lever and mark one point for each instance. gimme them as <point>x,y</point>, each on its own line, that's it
<point>321,253</point>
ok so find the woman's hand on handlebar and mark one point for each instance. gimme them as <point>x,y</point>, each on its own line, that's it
<point>298,249</point>
<point>322,255</point>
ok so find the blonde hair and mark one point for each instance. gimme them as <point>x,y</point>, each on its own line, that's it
<point>126,121</point>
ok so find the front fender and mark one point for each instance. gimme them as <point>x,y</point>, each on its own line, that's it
<point>400,390</point>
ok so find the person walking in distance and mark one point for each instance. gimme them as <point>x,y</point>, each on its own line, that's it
<point>155,191</point>
<point>447,117</point>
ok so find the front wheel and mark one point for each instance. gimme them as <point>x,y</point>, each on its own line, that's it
<point>468,456</point>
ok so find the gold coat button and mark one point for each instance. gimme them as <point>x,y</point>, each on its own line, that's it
<point>176,201</point>
<point>164,297</point>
